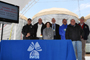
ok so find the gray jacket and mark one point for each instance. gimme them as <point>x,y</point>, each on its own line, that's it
<point>48,33</point>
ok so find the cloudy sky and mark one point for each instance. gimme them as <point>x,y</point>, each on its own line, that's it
<point>72,5</point>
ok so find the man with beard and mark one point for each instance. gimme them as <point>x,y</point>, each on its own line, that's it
<point>62,29</point>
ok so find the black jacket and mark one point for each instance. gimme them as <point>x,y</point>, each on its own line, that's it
<point>74,32</point>
<point>36,27</point>
<point>28,29</point>
<point>86,31</point>
<point>57,36</point>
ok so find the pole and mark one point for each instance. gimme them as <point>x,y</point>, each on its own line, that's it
<point>2,32</point>
<point>79,9</point>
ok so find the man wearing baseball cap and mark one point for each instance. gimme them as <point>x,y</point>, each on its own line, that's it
<point>28,30</point>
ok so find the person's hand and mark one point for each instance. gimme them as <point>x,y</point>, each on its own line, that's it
<point>81,37</point>
<point>28,34</point>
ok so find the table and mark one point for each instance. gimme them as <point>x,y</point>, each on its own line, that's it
<point>37,50</point>
<point>0,50</point>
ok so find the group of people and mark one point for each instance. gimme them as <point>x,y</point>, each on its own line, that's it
<point>41,30</point>
<point>78,33</point>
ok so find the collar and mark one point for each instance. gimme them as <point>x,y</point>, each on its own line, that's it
<point>74,25</point>
<point>39,24</point>
<point>30,24</point>
<point>64,25</point>
<point>54,23</point>
<point>82,23</point>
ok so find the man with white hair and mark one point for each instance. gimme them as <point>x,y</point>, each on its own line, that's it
<point>75,33</point>
<point>38,29</point>
<point>55,28</point>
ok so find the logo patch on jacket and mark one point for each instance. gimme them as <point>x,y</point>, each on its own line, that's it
<point>85,26</point>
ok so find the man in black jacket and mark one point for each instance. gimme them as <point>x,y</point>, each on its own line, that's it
<point>28,30</point>
<point>55,28</point>
<point>75,33</point>
<point>38,29</point>
<point>85,37</point>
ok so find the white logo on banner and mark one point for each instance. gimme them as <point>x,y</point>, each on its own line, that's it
<point>34,50</point>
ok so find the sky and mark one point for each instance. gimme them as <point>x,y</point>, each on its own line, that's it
<point>71,5</point>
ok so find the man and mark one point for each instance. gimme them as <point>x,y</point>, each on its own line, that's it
<point>27,30</point>
<point>55,28</point>
<point>75,33</point>
<point>85,37</point>
<point>38,27</point>
<point>62,29</point>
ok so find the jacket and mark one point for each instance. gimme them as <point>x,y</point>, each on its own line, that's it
<point>62,31</point>
<point>86,31</point>
<point>28,29</point>
<point>74,32</point>
<point>36,27</point>
<point>48,33</point>
<point>57,36</point>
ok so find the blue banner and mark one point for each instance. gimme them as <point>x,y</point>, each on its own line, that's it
<point>37,50</point>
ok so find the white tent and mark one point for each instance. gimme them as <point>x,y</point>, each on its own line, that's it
<point>57,13</point>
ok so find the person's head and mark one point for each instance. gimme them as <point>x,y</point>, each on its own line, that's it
<point>48,24</point>
<point>72,22</point>
<point>53,20</point>
<point>64,21</point>
<point>82,20</point>
<point>40,21</point>
<point>29,21</point>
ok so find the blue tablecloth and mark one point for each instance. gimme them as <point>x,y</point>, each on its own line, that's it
<point>37,50</point>
<point>0,50</point>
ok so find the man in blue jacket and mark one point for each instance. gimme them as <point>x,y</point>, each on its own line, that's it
<point>62,29</point>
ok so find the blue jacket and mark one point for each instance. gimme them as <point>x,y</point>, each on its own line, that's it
<point>62,30</point>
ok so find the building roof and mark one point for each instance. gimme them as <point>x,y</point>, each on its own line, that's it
<point>87,17</point>
<point>54,11</point>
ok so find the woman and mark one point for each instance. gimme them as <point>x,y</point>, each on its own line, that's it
<point>48,31</point>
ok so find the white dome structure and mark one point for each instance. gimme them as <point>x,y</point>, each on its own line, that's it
<point>58,13</point>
